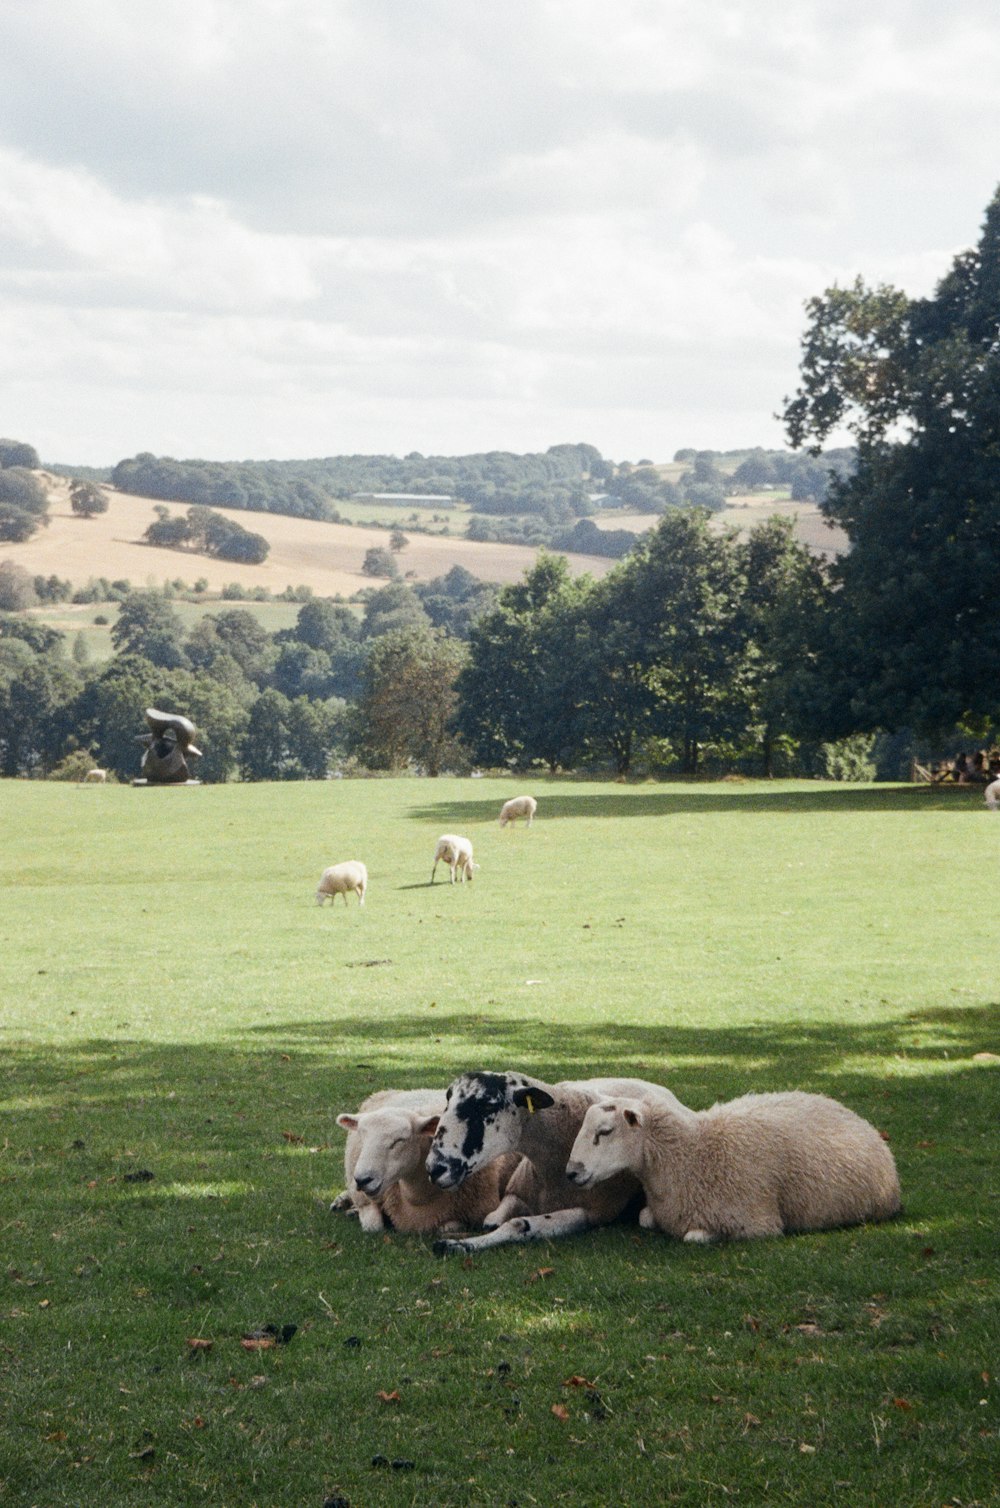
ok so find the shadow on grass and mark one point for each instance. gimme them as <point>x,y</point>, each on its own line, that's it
<point>317,1067</point>
<point>735,800</point>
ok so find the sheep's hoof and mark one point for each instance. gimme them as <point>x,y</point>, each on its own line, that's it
<point>342,1202</point>
<point>447,1248</point>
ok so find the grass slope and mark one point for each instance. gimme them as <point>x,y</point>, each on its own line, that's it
<point>174,1003</point>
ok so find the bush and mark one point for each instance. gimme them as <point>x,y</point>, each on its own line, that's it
<point>849,758</point>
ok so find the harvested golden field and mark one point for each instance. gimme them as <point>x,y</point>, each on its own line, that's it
<point>326,557</point>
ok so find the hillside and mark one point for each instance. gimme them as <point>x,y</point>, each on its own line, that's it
<point>325,557</point>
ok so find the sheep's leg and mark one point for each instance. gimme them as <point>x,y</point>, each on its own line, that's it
<point>508,1207</point>
<point>434,871</point>
<point>371,1218</point>
<point>344,1201</point>
<point>523,1228</point>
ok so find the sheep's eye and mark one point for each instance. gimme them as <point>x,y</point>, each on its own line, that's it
<point>397,1143</point>
<point>604,1131</point>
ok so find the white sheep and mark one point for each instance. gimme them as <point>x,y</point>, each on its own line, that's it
<point>756,1166</point>
<point>490,1114</point>
<point>387,1144</point>
<point>95,777</point>
<point>341,879</point>
<point>992,794</point>
<point>457,854</point>
<point>518,806</point>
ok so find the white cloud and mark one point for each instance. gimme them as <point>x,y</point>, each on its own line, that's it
<point>234,226</point>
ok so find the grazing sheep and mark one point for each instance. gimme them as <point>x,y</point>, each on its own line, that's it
<point>457,854</point>
<point>387,1145</point>
<point>992,794</point>
<point>518,806</point>
<point>95,777</point>
<point>340,879</point>
<point>489,1114</point>
<point>757,1166</point>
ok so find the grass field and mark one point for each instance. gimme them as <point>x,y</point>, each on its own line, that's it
<point>175,1005</point>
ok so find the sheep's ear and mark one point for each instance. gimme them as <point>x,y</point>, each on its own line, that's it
<point>427,1127</point>
<point>532,1099</point>
<point>347,1122</point>
<point>632,1117</point>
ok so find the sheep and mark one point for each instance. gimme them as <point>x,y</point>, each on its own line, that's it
<point>992,794</point>
<point>95,777</point>
<point>489,1114</point>
<point>518,806</point>
<point>387,1183</point>
<point>760,1165</point>
<point>457,854</point>
<point>341,879</point>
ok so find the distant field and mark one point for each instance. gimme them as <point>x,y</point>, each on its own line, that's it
<point>78,618</point>
<point>326,557</point>
<point>181,1025</point>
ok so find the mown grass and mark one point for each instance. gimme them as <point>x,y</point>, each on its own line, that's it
<point>174,1003</point>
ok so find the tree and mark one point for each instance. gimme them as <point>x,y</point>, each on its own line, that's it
<point>519,692</point>
<point>681,589</point>
<point>393,606</point>
<point>16,453</point>
<point>17,588</point>
<point>397,541</point>
<point>86,499</point>
<point>379,561</point>
<point>786,604</point>
<point>147,625</point>
<point>916,631</point>
<point>406,707</point>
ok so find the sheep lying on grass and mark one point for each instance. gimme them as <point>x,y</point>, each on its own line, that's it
<point>518,806</point>
<point>387,1145</point>
<point>456,852</point>
<point>341,879</point>
<point>490,1114</point>
<point>757,1166</point>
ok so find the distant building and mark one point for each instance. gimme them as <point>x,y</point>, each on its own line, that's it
<point>444,498</point>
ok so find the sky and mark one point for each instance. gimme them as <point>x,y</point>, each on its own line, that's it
<point>288,228</point>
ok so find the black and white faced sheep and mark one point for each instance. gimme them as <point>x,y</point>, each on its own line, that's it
<point>761,1165</point>
<point>491,1114</point>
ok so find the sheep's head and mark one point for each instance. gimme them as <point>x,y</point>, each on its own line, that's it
<point>608,1142</point>
<point>481,1121</point>
<point>393,1145</point>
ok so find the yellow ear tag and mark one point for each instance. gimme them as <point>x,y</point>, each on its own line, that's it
<point>530,1104</point>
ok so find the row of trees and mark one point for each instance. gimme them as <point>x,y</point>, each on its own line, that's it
<point>206,532</point>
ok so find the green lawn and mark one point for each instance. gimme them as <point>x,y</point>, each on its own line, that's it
<point>175,1004</point>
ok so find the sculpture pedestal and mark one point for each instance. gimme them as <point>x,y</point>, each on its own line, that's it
<point>165,785</point>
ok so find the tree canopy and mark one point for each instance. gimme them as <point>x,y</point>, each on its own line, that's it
<point>916,629</point>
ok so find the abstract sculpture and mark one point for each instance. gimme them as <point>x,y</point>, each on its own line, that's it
<point>169,746</point>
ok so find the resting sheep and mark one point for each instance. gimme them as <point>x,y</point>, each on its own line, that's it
<point>489,1114</point>
<point>518,806</point>
<point>756,1166</point>
<point>387,1145</point>
<point>457,854</point>
<point>341,879</point>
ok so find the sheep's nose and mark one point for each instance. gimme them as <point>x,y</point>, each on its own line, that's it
<point>365,1183</point>
<point>575,1172</point>
<point>436,1171</point>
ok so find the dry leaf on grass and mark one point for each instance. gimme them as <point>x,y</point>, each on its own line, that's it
<point>392,1397</point>
<point>560,1411</point>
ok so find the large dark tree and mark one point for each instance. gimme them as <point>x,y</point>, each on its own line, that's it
<point>917,381</point>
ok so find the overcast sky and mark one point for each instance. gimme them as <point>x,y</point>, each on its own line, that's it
<point>277,228</point>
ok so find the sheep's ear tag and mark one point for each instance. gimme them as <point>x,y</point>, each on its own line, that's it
<point>530,1104</point>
